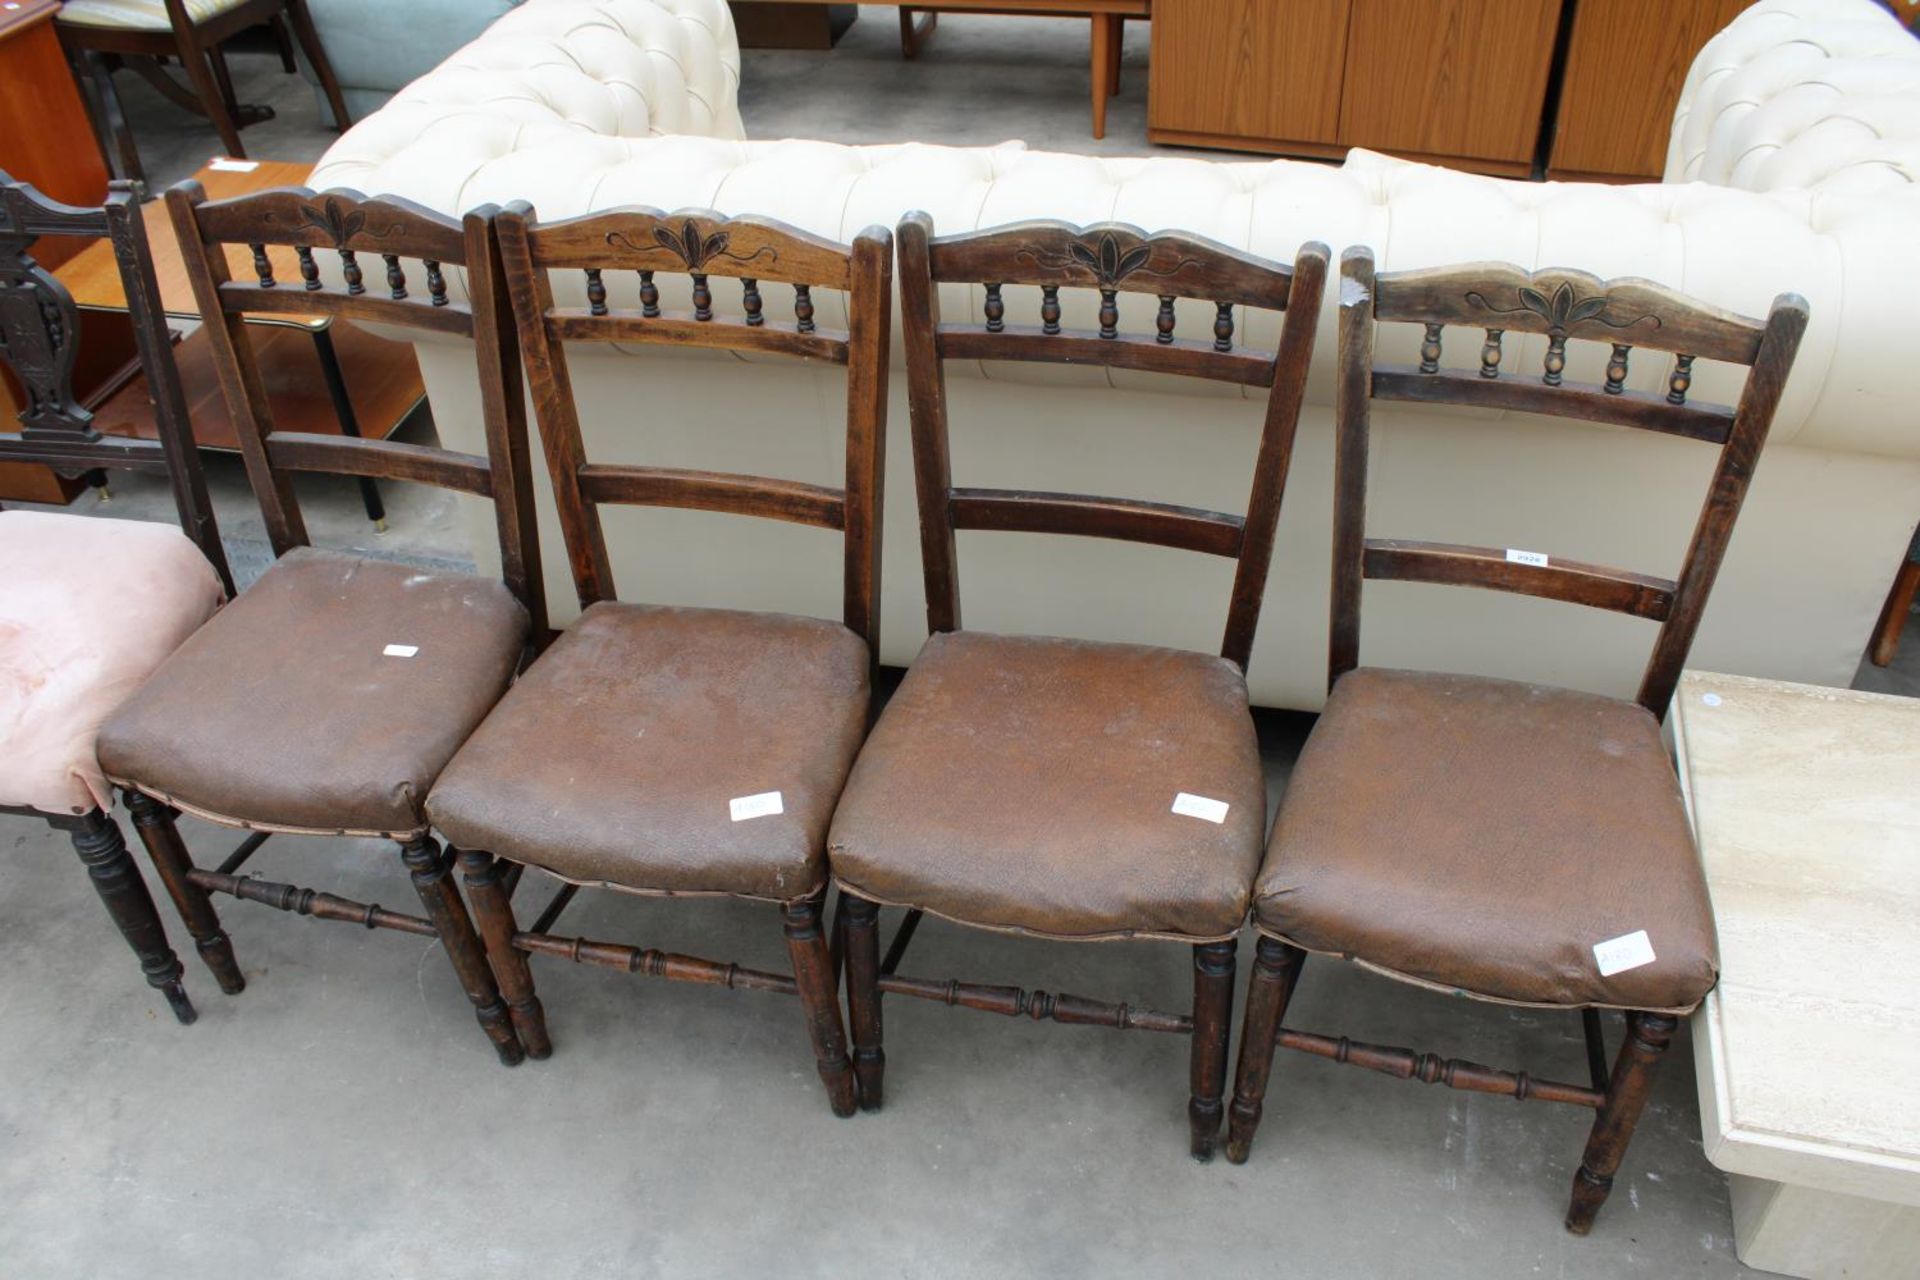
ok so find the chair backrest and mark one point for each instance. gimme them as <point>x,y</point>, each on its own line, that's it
<point>343,225</point>
<point>1562,305</point>
<point>40,333</point>
<point>1112,258</point>
<point>702,244</point>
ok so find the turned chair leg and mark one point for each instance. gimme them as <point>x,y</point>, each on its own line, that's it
<point>96,838</point>
<point>1648,1035</point>
<point>863,996</point>
<point>155,823</point>
<point>1212,1024</point>
<point>1894,614</point>
<point>432,872</point>
<point>820,999</point>
<point>1276,971</point>
<point>493,913</point>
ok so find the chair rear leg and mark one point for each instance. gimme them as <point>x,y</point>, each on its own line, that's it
<point>1212,1024</point>
<point>309,37</point>
<point>863,997</point>
<point>155,823</point>
<point>96,838</point>
<point>1648,1035</point>
<point>432,872</point>
<point>1276,971</point>
<point>493,913</point>
<point>206,87</point>
<point>820,999</point>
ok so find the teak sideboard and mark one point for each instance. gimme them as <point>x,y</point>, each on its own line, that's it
<point>1581,88</point>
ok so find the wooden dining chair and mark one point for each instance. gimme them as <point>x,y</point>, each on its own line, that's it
<point>1063,788</point>
<point>1493,839</point>
<point>141,33</point>
<point>660,750</point>
<point>89,607</point>
<point>326,698</point>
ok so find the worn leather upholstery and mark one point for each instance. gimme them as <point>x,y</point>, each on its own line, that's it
<point>285,713</point>
<point>1482,835</point>
<point>1026,783</point>
<point>613,760</point>
<point>88,608</point>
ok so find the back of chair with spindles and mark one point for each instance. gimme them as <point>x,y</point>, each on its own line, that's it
<point>1112,259</point>
<point>1562,306</point>
<point>40,342</point>
<point>619,254</point>
<point>341,226</point>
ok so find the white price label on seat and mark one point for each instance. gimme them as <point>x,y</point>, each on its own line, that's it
<point>400,650</point>
<point>1628,951</point>
<point>763,805</point>
<point>1192,806</point>
<point>227,164</point>
<point>1538,559</point>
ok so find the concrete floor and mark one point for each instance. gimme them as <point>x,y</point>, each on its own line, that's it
<point>344,1116</point>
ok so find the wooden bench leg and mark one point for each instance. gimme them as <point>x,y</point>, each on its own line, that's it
<point>914,34</point>
<point>1105,66</point>
<point>1894,614</point>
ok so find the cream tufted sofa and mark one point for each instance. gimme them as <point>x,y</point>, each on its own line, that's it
<point>1794,167</point>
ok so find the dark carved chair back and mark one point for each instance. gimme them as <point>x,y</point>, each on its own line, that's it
<point>703,245</point>
<point>1113,259</point>
<point>343,225</point>
<point>40,333</point>
<point>1562,305</point>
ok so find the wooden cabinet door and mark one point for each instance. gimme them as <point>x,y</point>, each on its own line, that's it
<point>1625,66</point>
<point>1232,71</point>
<point>1446,78</point>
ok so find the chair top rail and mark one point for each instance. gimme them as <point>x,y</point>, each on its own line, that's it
<point>688,241</point>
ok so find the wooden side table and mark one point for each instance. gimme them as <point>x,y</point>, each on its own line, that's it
<point>1806,806</point>
<point>305,361</point>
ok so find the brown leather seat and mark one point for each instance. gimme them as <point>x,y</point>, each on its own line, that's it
<point>615,758</point>
<point>1483,835</point>
<point>1027,783</point>
<point>285,712</point>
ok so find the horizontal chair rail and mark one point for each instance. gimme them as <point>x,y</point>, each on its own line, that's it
<point>1041,1006</point>
<point>794,501</point>
<point>655,964</point>
<point>103,451</point>
<point>679,329</point>
<point>311,902</point>
<point>380,459</point>
<point>1570,581</point>
<point>1182,356</point>
<point>376,308</point>
<point>1430,1068</point>
<point>1129,520</point>
<point>1711,423</point>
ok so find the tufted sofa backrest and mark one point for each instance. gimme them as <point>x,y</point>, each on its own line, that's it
<point>1802,94</point>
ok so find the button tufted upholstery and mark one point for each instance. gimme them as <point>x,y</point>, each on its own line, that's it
<point>542,108</point>
<point>1800,94</point>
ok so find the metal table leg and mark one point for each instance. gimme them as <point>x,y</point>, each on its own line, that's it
<point>349,424</point>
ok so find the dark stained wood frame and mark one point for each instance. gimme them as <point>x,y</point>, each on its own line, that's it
<point>1562,305</point>
<point>346,224</point>
<point>197,46</point>
<point>43,332</point>
<point>1110,258</point>
<point>702,245</point>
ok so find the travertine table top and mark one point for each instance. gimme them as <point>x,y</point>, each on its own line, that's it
<point>1806,806</point>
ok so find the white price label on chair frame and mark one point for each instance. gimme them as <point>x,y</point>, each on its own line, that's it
<point>763,805</point>
<point>400,651</point>
<point>1189,805</point>
<point>1538,559</point>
